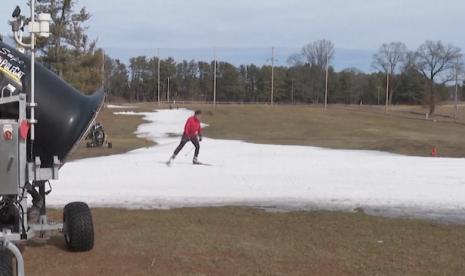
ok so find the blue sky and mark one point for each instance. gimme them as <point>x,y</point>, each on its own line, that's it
<point>350,24</point>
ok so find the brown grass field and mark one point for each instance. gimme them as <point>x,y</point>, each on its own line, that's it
<point>246,241</point>
<point>240,241</point>
<point>401,131</point>
<point>404,130</point>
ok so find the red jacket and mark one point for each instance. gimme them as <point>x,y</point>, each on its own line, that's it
<point>192,127</point>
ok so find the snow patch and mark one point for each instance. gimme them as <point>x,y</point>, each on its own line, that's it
<point>271,176</point>
<point>127,113</point>
<point>113,106</point>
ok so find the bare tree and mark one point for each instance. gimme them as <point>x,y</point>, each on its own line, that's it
<point>295,60</point>
<point>437,62</point>
<point>319,53</point>
<point>389,59</point>
<point>409,61</point>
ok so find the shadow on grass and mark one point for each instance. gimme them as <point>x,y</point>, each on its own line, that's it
<point>56,240</point>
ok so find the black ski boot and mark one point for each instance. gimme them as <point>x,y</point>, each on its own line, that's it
<point>196,162</point>
<point>168,163</point>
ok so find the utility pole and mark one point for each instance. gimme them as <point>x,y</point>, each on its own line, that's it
<point>37,28</point>
<point>168,91</point>
<point>214,77</point>
<point>33,103</point>
<point>272,75</point>
<point>158,75</point>
<point>103,69</point>
<point>386,108</point>
<point>456,110</point>
<point>326,81</point>
<point>378,94</point>
<point>292,91</point>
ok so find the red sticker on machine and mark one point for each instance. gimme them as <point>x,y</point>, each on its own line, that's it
<point>24,129</point>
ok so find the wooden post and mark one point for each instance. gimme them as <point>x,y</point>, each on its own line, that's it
<point>292,91</point>
<point>272,76</point>
<point>103,69</point>
<point>214,77</point>
<point>386,108</point>
<point>168,91</point>
<point>456,109</point>
<point>158,76</point>
<point>326,81</point>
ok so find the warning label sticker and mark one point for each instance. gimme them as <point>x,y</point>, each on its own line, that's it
<point>8,68</point>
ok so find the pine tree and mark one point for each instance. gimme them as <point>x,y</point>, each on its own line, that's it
<point>68,51</point>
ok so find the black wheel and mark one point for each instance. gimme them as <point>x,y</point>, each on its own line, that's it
<point>88,144</point>
<point>6,262</point>
<point>110,145</point>
<point>78,227</point>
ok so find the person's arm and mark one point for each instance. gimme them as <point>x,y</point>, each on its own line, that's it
<point>186,127</point>
<point>200,131</point>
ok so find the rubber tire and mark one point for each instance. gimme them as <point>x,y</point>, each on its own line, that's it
<point>6,263</point>
<point>88,145</point>
<point>110,145</point>
<point>78,227</point>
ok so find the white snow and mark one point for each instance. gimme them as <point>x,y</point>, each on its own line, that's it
<point>113,106</point>
<point>273,176</point>
<point>126,113</point>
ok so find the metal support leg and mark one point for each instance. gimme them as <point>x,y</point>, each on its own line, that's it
<point>5,241</point>
<point>19,257</point>
<point>43,211</point>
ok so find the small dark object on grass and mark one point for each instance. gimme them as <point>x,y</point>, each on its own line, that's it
<point>97,137</point>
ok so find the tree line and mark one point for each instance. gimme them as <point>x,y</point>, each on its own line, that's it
<point>400,75</point>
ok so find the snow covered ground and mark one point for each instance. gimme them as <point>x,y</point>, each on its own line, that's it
<point>275,177</point>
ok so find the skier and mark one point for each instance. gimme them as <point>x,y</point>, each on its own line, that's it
<point>193,133</point>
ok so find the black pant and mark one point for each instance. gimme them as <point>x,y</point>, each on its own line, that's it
<point>186,139</point>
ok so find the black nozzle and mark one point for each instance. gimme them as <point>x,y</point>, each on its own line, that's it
<point>63,113</point>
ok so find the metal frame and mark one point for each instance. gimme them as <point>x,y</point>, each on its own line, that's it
<point>28,172</point>
<point>7,237</point>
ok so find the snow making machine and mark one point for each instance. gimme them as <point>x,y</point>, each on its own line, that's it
<point>97,137</point>
<point>42,120</point>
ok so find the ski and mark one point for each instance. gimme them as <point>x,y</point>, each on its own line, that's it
<point>170,163</point>
<point>202,164</point>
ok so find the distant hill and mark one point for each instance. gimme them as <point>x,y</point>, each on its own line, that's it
<point>344,58</point>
